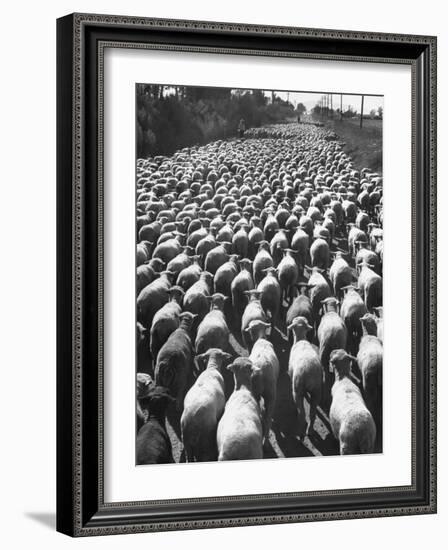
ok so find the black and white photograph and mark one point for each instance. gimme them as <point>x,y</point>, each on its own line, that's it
<point>259,223</point>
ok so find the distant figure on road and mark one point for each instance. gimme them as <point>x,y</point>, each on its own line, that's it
<point>298,119</point>
<point>241,128</point>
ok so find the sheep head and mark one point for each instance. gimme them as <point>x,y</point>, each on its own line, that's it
<point>340,363</point>
<point>176,293</point>
<point>258,329</point>
<point>217,301</point>
<point>368,322</point>
<point>330,304</point>
<point>157,264</point>
<point>245,263</point>
<point>156,401</point>
<point>213,358</point>
<point>300,327</point>
<point>242,369</point>
<point>253,294</point>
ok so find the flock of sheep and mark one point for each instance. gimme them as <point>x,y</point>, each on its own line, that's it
<point>259,283</point>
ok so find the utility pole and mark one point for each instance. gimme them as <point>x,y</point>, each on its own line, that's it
<point>362,111</point>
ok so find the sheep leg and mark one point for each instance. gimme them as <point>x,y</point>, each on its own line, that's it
<point>302,428</point>
<point>315,398</point>
<point>291,294</point>
<point>269,402</point>
<point>189,456</point>
<point>326,401</point>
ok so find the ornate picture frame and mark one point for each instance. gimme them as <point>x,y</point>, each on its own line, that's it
<point>81,41</point>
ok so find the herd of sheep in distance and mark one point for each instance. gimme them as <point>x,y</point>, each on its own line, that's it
<point>258,259</point>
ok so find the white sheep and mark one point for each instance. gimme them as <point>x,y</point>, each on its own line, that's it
<point>266,370</point>
<point>351,422</point>
<point>305,371</point>
<point>240,433</point>
<point>370,363</point>
<point>203,408</point>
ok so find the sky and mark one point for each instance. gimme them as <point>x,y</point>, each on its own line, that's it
<point>309,99</point>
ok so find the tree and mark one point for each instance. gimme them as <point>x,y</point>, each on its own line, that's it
<point>300,108</point>
<point>372,113</point>
<point>380,112</point>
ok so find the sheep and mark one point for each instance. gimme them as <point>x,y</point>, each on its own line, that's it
<point>352,309</point>
<point>266,370</point>
<point>216,257</point>
<point>375,236</point>
<point>321,232</point>
<point>362,221</point>
<point>371,286</point>
<point>240,241</point>
<point>288,274</point>
<point>225,275</point>
<point>240,284</point>
<point>150,232</point>
<point>350,210</point>
<point>147,272</point>
<point>282,215</point>
<point>196,298</point>
<point>196,236</point>
<point>167,250</point>
<point>365,255</point>
<point>181,261</point>
<point>213,330</point>
<point>301,243</point>
<point>152,298</point>
<point>379,322</point>
<point>270,227</point>
<point>320,253</point>
<point>270,293</point>
<point>319,290</point>
<point>144,384</point>
<point>370,363</point>
<point>204,246</point>
<point>252,312</point>
<point>189,275</point>
<point>351,422</point>
<point>153,445</point>
<point>355,235</point>
<point>300,307</point>
<point>147,247</point>
<point>142,349</point>
<point>174,361</point>
<point>331,334</point>
<point>340,274</point>
<point>225,234</point>
<point>305,372</point>
<point>240,433</point>
<point>255,236</point>
<point>262,261</point>
<point>166,320</point>
<point>142,253</point>
<point>203,407</point>
<point>278,243</point>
